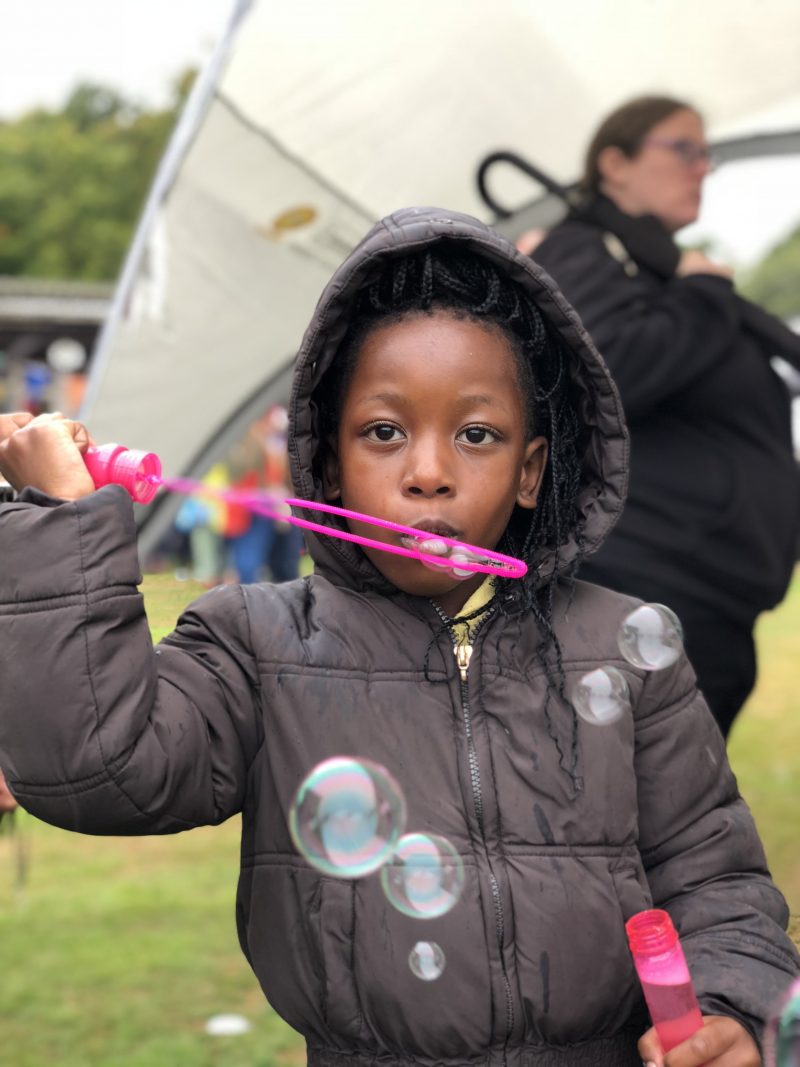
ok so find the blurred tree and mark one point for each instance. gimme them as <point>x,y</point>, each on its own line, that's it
<point>72,182</point>
<point>775,282</point>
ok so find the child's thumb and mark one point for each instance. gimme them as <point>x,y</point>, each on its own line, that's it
<point>650,1049</point>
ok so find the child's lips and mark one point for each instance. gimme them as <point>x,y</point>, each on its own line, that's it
<point>430,541</point>
<point>434,546</point>
<point>430,538</point>
<point>436,528</point>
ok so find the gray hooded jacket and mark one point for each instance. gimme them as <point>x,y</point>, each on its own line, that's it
<point>258,684</point>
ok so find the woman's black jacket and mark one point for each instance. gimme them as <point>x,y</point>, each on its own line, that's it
<point>714,497</point>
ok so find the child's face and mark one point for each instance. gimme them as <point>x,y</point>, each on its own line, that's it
<point>432,435</point>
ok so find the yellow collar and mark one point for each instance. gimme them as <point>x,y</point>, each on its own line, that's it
<point>479,599</point>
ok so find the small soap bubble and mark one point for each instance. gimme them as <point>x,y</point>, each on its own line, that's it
<point>227,1025</point>
<point>435,546</point>
<point>347,817</point>
<point>651,637</point>
<point>425,876</point>
<point>601,696</point>
<point>426,961</point>
<point>462,556</point>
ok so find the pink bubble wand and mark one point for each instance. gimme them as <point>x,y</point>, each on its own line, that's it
<point>140,474</point>
<point>269,505</point>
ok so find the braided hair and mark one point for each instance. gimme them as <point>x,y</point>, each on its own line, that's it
<point>468,286</point>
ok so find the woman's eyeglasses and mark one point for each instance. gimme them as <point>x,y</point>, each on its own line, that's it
<point>689,152</point>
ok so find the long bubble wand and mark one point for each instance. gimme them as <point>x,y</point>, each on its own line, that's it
<point>140,473</point>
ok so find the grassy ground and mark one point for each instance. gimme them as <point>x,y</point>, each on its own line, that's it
<point>117,951</point>
<point>765,744</point>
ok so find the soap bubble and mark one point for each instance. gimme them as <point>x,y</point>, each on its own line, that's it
<point>781,1037</point>
<point>462,556</point>
<point>227,1025</point>
<point>651,637</point>
<point>601,696</point>
<point>347,817</point>
<point>451,556</point>
<point>426,960</point>
<point>425,876</point>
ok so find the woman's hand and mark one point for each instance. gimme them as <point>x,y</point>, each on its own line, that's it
<point>529,241</point>
<point>7,802</point>
<point>45,453</point>
<point>693,261</point>
<point>722,1042</point>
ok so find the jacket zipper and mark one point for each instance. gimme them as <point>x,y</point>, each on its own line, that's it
<point>463,653</point>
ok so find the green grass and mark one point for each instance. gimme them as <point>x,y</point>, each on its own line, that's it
<point>764,747</point>
<point>118,950</point>
<point>165,598</point>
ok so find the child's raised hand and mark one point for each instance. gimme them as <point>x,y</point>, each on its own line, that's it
<point>14,421</point>
<point>722,1042</point>
<point>45,453</point>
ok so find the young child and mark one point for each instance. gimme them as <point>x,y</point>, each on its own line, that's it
<point>444,384</point>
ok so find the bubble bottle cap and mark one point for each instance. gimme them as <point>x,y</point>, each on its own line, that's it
<point>138,472</point>
<point>651,933</point>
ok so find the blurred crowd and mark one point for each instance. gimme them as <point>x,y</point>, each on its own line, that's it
<point>216,540</point>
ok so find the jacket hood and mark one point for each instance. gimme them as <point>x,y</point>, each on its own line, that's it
<point>605,461</point>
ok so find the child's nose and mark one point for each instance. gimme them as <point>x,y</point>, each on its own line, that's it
<point>428,474</point>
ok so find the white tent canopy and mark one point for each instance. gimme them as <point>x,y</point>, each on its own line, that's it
<point>316,117</point>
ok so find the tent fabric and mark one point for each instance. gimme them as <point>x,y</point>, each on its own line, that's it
<point>315,118</point>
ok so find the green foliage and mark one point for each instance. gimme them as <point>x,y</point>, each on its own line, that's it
<point>73,182</point>
<point>775,282</point>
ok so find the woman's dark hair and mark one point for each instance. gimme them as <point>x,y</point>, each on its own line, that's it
<point>626,128</point>
<point>447,278</point>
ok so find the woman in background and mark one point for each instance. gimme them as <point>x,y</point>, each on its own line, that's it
<point>710,526</point>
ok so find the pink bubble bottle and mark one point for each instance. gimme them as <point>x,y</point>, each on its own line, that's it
<point>666,982</point>
<point>138,472</point>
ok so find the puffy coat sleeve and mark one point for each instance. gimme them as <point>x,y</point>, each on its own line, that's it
<point>657,337</point>
<point>99,732</point>
<point>703,856</point>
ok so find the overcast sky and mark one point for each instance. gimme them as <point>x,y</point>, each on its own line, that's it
<point>136,46</point>
<point>140,46</point>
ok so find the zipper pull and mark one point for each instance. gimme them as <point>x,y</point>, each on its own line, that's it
<point>463,656</point>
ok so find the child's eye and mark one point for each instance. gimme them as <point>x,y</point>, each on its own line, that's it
<point>478,435</point>
<point>383,431</point>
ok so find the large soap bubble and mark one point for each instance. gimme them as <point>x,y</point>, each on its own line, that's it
<point>651,637</point>
<point>601,696</point>
<point>426,960</point>
<point>425,876</point>
<point>347,817</point>
<point>782,1033</point>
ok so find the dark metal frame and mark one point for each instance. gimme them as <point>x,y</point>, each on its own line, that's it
<point>550,206</point>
